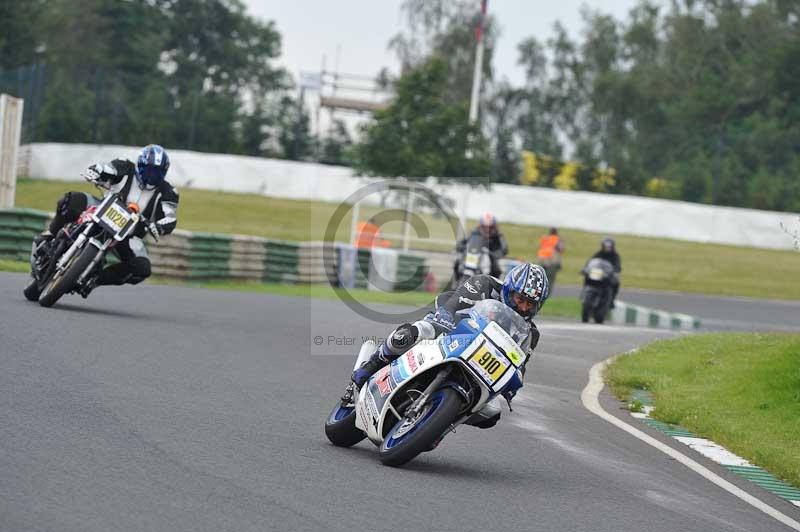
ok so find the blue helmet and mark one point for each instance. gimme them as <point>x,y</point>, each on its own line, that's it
<point>530,282</point>
<point>151,166</point>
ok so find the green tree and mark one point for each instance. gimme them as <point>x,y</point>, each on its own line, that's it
<point>445,29</point>
<point>19,32</point>
<point>337,145</point>
<point>423,134</point>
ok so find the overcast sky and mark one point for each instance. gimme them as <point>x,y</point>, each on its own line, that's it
<point>312,29</point>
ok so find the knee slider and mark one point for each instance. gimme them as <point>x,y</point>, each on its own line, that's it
<point>72,205</point>
<point>140,269</point>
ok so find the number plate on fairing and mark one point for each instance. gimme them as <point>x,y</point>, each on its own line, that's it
<point>488,363</point>
<point>493,356</point>
<point>472,260</point>
<point>115,218</point>
<point>596,274</point>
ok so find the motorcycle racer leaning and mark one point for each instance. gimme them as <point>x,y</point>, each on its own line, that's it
<point>525,289</point>
<point>142,183</point>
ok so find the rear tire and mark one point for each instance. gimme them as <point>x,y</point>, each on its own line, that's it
<point>60,285</point>
<point>443,407</point>
<point>340,428</point>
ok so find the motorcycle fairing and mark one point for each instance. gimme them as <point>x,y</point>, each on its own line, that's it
<point>480,345</point>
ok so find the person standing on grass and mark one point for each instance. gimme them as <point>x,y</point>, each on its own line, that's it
<point>551,247</point>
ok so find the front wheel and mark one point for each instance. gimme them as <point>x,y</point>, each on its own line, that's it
<point>340,428</point>
<point>409,437</point>
<point>585,311</point>
<point>601,312</point>
<point>64,281</point>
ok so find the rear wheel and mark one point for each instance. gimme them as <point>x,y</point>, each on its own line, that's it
<point>64,281</point>
<point>409,437</point>
<point>340,428</point>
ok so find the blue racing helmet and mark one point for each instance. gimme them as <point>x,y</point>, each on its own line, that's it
<point>151,166</point>
<point>526,282</point>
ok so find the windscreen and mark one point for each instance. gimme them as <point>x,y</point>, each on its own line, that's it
<point>506,318</point>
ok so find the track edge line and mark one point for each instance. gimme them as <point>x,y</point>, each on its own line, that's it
<point>590,399</point>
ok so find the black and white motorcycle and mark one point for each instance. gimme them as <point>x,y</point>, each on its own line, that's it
<point>73,259</point>
<point>409,406</point>
<point>475,259</point>
<point>598,275</point>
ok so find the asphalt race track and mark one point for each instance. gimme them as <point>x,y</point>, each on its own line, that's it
<point>169,408</point>
<point>715,312</point>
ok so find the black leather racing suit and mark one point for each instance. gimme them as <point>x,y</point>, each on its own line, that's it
<point>497,245</point>
<point>158,205</point>
<point>615,260</point>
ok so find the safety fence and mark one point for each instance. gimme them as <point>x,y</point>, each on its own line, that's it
<point>198,256</point>
<point>17,228</point>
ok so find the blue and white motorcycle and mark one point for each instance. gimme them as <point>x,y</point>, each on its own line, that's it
<point>409,406</point>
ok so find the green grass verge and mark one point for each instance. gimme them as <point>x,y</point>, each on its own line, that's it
<point>739,390</point>
<point>647,262</point>
<point>14,266</point>
<point>555,307</point>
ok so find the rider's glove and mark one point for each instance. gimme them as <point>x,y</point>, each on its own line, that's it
<point>444,318</point>
<point>99,173</point>
<point>93,173</point>
<point>142,229</point>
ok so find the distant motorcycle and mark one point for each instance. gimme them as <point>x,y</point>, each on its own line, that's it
<point>475,259</point>
<point>409,406</point>
<point>596,294</point>
<point>74,258</point>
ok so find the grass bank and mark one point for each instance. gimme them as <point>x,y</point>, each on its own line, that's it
<point>555,307</point>
<point>647,262</point>
<point>14,266</point>
<point>739,390</point>
<point>562,307</point>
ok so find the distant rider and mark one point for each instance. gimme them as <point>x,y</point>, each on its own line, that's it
<point>608,251</point>
<point>142,183</point>
<point>525,290</point>
<point>495,242</point>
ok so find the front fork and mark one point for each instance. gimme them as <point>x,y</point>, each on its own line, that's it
<point>416,407</point>
<point>78,245</point>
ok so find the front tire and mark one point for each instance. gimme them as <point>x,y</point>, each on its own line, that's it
<point>340,428</point>
<point>63,283</point>
<point>585,311</point>
<point>600,315</point>
<point>408,438</point>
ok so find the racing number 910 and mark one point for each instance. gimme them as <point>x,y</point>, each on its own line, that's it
<point>489,363</point>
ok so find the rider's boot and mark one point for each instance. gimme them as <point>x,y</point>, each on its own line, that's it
<point>86,288</point>
<point>42,239</point>
<point>400,341</point>
<point>376,361</point>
